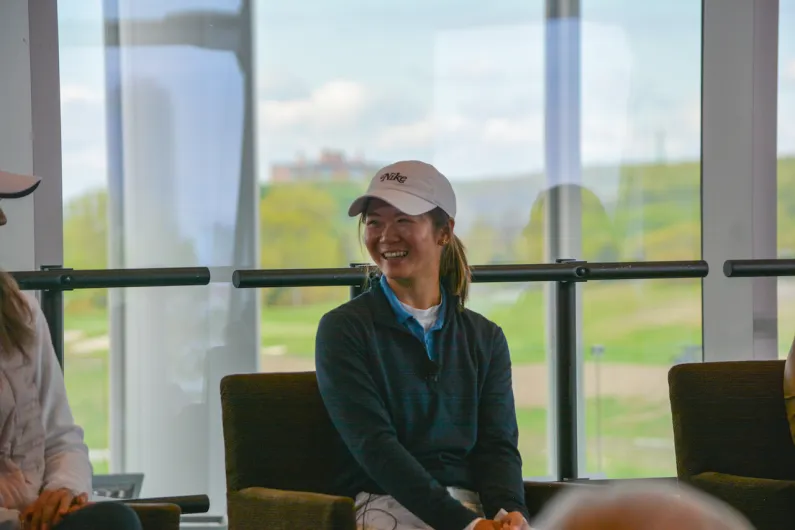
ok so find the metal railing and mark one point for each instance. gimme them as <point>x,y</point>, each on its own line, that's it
<point>757,268</point>
<point>565,273</point>
<point>53,280</point>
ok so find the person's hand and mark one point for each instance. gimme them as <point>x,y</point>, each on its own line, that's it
<point>81,501</point>
<point>512,521</point>
<point>488,524</point>
<point>51,506</point>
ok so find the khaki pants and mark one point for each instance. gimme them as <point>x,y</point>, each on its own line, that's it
<point>383,512</point>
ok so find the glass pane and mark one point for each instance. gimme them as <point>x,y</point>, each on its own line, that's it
<point>465,88</point>
<point>181,396</point>
<point>158,171</point>
<point>518,308</point>
<point>457,85</point>
<point>87,370</point>
<point>633,332</point>
<point>288,327</point>
<point>786,171</point>
<point>640,200</point>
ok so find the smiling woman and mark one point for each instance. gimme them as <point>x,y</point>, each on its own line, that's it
<point>425,223</point>
<point>400,364</point>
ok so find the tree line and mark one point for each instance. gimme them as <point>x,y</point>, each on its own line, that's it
<point>656,215</point>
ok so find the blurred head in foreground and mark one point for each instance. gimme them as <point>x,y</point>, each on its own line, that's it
<point>638,507</point>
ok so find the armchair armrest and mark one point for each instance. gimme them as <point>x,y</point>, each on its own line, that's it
<point>185,503</point>
<point>261,508</point>
<point>157,516</point>
<point>538,494</point>
<point>766,503</point>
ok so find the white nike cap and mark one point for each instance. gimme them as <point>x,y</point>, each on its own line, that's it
<point>411,186</point>
<point>13,186</point>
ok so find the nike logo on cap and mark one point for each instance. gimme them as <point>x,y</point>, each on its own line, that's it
<point>399,177</point>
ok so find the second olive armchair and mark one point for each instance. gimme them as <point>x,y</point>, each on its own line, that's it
<point>732,438</point>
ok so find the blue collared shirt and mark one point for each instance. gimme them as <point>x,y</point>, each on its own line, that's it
<point>408,320</point>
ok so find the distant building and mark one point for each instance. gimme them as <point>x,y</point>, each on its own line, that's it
<point>330,166</point>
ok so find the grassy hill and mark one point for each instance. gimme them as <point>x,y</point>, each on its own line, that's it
<point>633,212</point>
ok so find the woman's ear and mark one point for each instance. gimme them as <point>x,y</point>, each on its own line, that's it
<point>446,233</point>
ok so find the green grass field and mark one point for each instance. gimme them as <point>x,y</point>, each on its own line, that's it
<point>638,323</point>
<point>645,322</point>
<point>624,439</point>
<point>87,386</point>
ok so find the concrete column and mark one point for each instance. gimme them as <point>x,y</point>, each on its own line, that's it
<point>17,241</point>
<point>739,113</point>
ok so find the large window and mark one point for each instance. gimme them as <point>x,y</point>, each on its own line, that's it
<point>158,171</point>
<point>346,88</point>
<point>481,91</point>
<point>641,140</point>
<point>568,133</point>
<point>786,171</point>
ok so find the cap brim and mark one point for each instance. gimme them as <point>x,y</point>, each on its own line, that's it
<point>13,186</point>
<point>405,202</point>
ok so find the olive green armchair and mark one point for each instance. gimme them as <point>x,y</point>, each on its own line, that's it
<point>279,445</point>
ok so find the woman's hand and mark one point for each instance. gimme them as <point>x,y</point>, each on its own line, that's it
<point>80,501</point>
<point>512,521</point>
<point>50,508</point>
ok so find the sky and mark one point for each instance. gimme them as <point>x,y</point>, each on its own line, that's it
<point>459,83</point>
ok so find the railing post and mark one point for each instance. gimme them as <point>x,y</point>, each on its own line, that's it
<point>356,290</point>
<point>52,307</point>
<point>566,377</point>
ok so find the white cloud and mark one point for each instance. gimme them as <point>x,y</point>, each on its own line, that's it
<point>418,134</point>
<point>280,84</point>
<point>786,127</point>
<point>334,104</point>
<point>788,71</point>
<point>478,67</point>
<point>526,130</point>
<point>482,109</point>
<point>91,159</point>
<point>84,159</point>
<point>73,93</point>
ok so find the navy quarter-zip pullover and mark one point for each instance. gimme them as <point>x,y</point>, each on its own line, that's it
<point>412,426</point>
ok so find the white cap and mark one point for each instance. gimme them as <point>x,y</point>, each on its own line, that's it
<point>411,186</point>
<point>13,186</point>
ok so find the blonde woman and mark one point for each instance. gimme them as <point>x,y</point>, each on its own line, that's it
<point>45,473</point>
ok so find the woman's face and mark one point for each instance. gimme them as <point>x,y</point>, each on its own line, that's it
<point>405,247</point>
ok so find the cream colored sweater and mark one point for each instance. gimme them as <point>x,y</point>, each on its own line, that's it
<point>40,445</point>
